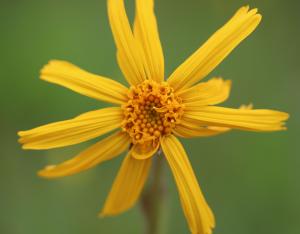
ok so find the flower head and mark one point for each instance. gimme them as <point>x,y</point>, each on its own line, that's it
<point>153,112</point>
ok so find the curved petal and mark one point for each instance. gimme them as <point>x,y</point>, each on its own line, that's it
<point>70,76</point>
<point>69,132</point>
<point>198,214</point>
<point>218,46</point>
<point>127,185</point>
<point>146,32</point>
<point>102,151</point>
<point>251,120</point>
<point>189,130</point>
<point>144,151</point>
<point>212,92</point>
<point>129,52</point>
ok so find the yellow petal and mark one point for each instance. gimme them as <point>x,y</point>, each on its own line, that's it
<point>198,214</point>
<point>70,76</point>
<point>188,129</point>
<point>69,132</point>
<point>127,185</point>
<point>218,46</point>
<point>102,151</point>
<point>251,120</point>
<point>146,32</point>
<point>129,52</point>
<point>212,92</point>
<point>144,151</point>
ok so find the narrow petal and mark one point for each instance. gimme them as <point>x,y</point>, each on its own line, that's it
<point>251,120</point>
<point>198,214</point>
<point>129,51</point>
<point>188,129</point>
<point>70,76</point>
<point>211,92</point>
<point>146,32</point>
<point>127,185</point>
<point>100,152</point>
<point>212,53</point>
<point>69,132</point>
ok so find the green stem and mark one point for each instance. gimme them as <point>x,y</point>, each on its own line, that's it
<point>154,197</point>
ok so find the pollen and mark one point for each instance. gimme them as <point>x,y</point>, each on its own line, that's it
<point>152,111</point>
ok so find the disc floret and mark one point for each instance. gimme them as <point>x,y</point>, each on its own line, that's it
<point>152,111</point>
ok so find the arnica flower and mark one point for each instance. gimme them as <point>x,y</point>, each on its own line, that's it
<point>153,112</point>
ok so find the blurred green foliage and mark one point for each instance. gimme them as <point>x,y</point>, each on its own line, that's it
<point>250,180</point>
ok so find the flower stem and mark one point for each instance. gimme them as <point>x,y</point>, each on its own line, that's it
<point>154,197</point>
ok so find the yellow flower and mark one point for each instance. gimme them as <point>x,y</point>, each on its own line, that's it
<point>152,112</point>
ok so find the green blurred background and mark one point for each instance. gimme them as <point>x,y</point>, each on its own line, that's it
<point>250,180</point>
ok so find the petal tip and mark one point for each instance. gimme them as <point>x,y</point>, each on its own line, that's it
<point>25,147</point>
<point>46,172</point>
<point>246,7</point>
<point>287,115</point>
<point>21,133</point>
<point>46,66</point>
<point>258,17</point>
<point>41,173</point>
<point>104,213</point>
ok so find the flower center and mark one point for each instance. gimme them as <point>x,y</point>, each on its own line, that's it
<point>152,111</point>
